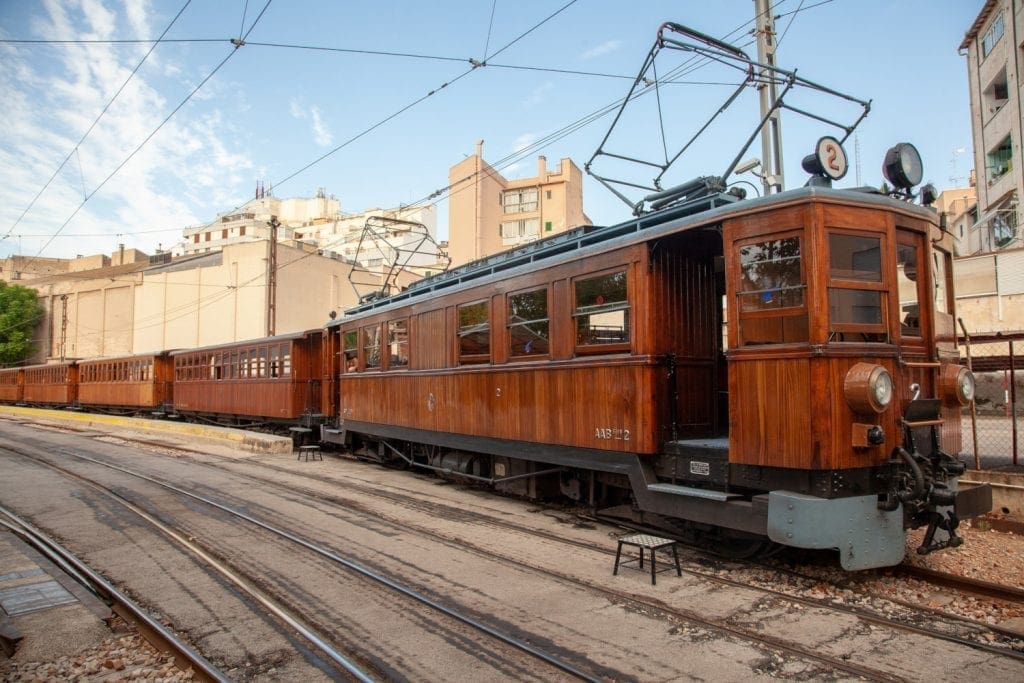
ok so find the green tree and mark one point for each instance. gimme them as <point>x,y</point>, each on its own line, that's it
<point>20,311</point>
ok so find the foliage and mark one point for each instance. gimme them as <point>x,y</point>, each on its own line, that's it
<point>20,311</point>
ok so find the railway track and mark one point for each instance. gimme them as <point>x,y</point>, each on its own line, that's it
<point>912,618</point>
<point>160,637</point>
<point>320,642</point>
<point>774,598</point>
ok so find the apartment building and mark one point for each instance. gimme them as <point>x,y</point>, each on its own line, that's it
<point>993,46</point>
<point>488,213</point>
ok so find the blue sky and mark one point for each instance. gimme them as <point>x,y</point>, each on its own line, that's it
<point>269,112</point>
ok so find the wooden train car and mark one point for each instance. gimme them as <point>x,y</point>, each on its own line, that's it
<point>12,385</point>
<point>274,379</point>
<point>141,382</point>
<point>780,368</point>
<point>55,384</point>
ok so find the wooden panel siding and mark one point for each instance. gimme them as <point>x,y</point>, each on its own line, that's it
<point>129,382</point>
<point>55,384</point>
<point>11,385</point>
<point>591,406</point>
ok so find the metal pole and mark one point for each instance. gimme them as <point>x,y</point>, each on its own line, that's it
<point>771,132</point>
<point>272,279</point>
<point>1013,402</point>
<point>974,404</point>
<point>63,325</point>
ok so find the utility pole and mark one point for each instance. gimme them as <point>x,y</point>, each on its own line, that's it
<point>63,324</point>
<point>771,133</point>
<point>272,279</point>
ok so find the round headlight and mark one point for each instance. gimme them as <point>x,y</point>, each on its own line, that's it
<point>868,388</point>
<point>957,384</point>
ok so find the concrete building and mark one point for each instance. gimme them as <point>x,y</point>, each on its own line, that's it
<point>960,208</point>
<point>488,213</point>
<point>251,221</point>
<point>992,46</point>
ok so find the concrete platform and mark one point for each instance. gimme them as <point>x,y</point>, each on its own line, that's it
<point>256,442</point>
<point>44,614</point>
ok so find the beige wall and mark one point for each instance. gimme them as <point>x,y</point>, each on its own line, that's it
<point>225,299</point>
<point>476,210</point>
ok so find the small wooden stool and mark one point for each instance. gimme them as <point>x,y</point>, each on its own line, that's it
<point>312,450</point>
<point>645,542</point>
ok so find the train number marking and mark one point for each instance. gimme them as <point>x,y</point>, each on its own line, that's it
<point>611,434</point>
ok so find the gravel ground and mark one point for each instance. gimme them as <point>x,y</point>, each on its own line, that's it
<point>992,556</point>
<point>124,656</point>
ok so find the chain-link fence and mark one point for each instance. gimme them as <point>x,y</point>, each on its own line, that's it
<point>992,427</point>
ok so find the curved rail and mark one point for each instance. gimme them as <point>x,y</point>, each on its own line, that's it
<point>154,630</point>
<point>348,564</point>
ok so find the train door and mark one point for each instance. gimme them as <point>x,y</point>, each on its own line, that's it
<point>688,288</point>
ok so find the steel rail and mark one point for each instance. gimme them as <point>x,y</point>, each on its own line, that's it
<point>306,631</point>
<point>359,569</point>
<point>153,630</point>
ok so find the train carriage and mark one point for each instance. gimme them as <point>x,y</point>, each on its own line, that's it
<point>12,385</point>
<point>781,368</point>
<point>55,384</point>
<point>128,383</point>
<point>273,380</point>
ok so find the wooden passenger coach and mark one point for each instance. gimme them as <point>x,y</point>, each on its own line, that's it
<point>274,378</point>
<point>55,384</point>
<point>720,361</point>
<point>11,385</point>
<point>127,383</point>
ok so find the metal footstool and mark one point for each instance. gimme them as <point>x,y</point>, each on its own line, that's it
<point>647,542</point>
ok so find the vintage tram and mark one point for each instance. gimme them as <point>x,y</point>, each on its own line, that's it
<point>776,369</point>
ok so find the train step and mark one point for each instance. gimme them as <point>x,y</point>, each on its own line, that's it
<point>692,492</point>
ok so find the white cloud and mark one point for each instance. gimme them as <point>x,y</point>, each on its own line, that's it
<point>604,48</point>
<point>538,95</point>
<point>321,135</point>
<point>524,141</point>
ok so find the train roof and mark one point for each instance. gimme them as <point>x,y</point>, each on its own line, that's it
<point>590,239</point>
<point>245,343</point>
<point>133,356</point>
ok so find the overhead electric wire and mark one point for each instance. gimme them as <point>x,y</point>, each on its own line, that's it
<point>97,120</point>
<point>153,133</point>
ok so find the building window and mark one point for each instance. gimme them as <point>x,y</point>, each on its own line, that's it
<point>241,231</point>
<point>1000,160</point>
<point>528,323</point>
<point>547,226</point>
<point>602,310</point>
<point>195,238</point>
<point>474,333</point>
<point>547,194</point>
<point>224,234</point>
<point>992,36</point>
<point>513,232</point>
<point>520,201</point>
<point>207,238</point>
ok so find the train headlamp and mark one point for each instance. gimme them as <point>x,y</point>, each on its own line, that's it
<point>957,384</point>
<point>902,166</point>
<point>868,388</point>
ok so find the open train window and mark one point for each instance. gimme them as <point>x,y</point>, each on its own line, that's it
<point>601,312</point>
<point>528,333</point>
<point>398,344</point>
<point>856,288</point>
<point>371,346</point>
<point>771,292</point>
<point>350,349</point>
<point>474,333</point>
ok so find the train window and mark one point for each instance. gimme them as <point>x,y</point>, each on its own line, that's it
<point>262,369</point>
<point>908,288</point>
<point>286,360</point>
<point>474,333</point>
<point>856,292</point>
<point>350,342</point>
<point>275,361</point>
<point>398,344</point>
<point>602,310</point>
<point>771,292</point>
<point>528,323</point>
<point>371,346</point>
